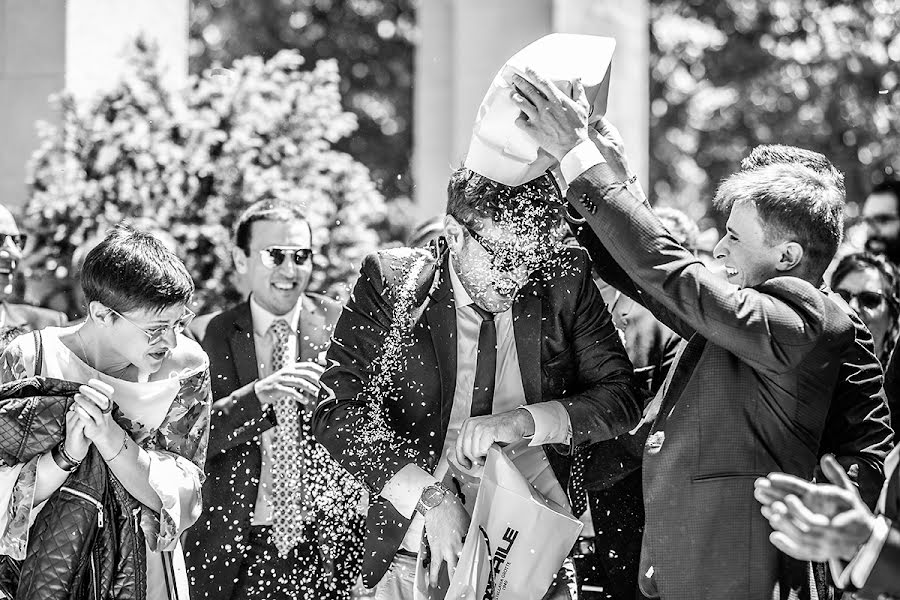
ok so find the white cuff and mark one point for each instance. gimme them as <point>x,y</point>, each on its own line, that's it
<point>551,423</point>
<point>578,160</point>
<point>857,571</point>
<point>404,489</point>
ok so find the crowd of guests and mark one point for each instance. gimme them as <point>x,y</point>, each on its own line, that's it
<point>724,428</point>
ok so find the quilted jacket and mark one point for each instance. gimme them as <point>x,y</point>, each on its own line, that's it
<point>86,543</point>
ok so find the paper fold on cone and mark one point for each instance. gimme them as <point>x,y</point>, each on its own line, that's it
<point>499,150</point>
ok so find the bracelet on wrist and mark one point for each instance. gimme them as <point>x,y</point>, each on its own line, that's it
<point>121,448</point>
<point>63,459</point>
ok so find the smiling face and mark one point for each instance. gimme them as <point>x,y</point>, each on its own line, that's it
<point>10,253</point>
<point>276,289</point>
<point>129,334</point>
<point>747,257</point>
<point>863,290</point>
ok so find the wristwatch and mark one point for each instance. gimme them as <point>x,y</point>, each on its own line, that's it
<point>431,496</point>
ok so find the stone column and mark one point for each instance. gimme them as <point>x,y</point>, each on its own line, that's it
<point>464,42</point>
<point>48,45</point>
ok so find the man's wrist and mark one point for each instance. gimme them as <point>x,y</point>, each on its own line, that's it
<point>524,422</point>
<point>110,442</point>
<point>432,496</point>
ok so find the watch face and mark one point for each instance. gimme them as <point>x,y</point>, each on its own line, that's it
<point>432,496</point>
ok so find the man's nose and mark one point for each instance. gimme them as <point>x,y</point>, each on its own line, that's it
<point>287,267</point>
<point>721,250</point>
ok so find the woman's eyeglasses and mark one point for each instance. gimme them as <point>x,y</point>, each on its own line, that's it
<point>156,334</point>
<point>865,299</point>
<point>273,256</point>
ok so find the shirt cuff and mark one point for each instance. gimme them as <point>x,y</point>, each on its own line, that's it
<point>551,423</point>
<point>578,160</point>
<point>404,489</point>
<point>857,571</point>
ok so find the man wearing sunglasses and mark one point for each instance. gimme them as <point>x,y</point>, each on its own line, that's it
<point>511,343</point>
<point>12,243</point>
<point>280,517</point>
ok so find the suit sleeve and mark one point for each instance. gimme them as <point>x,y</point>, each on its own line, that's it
<point>350,420</point>
<point>609,271</point>
<point>236,417</point>
<point>857,428</point>
<point>608,404</point>
<point>771,328</point>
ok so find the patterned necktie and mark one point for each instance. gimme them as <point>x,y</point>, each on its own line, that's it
<point>485,365</point>
<point>287,517</point>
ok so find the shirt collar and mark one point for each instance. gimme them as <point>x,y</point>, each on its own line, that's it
<point>263,319</point>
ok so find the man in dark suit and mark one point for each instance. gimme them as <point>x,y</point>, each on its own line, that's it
<point>280,517</point>
<point>12,242</point>
<point>830,522</point>
<point>751,390</point>
<point>498,335</point>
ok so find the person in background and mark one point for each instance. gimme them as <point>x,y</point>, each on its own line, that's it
<point>871,286</point>
<point>12,244</point>
<point>426,232</point>
<point>881,213</point>
<point>285,521</point>
<point>143,405</point>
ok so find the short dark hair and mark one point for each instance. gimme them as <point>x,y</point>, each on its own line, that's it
<point>131,269</point>
<point>273,209</point>
<point>471,196</point>
<point>888,186</point>
<point>794,202</point>
<point>777,154</point>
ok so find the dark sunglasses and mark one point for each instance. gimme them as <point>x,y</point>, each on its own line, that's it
<point>273,256</point>
<point>868,300</point>
<point>18,239</point>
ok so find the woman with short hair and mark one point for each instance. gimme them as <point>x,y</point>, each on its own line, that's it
<point>143,405</point>
<point>871,286</point>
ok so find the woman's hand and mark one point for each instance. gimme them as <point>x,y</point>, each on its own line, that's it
<point>76,443</point>
<point>92,407</point>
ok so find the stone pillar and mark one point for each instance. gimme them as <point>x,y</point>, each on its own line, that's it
<point>462,45</point>
<point>629,92</point>
<point>48,45</point>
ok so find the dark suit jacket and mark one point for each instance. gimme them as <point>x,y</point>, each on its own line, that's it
<point>568,350</point>
<point>214,545</point>
<point>750,395</point>
<point>33,317</point>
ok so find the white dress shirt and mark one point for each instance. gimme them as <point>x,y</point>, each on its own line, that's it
<point>551,421</point>
<point>264,343</point>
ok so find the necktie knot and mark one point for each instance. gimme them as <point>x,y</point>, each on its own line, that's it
<point>485,315</point>
<point>280,329</point>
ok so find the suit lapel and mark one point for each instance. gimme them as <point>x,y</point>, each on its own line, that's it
<point>440,317</point>
<point>243,350</point>
<point>527,330</point>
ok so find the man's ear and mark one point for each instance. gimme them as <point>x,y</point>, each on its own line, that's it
<point>791,255</point>
<point>101,314</point>
<point>240,260</point>
<point>455,234</point>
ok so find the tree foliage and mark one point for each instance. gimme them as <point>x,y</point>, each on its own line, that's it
<point>372,42</point>
<point>728,75</point>
<point>192,160</point>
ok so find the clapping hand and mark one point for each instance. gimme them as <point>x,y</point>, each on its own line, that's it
<point>815,522</point>
<point>93,408</point>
